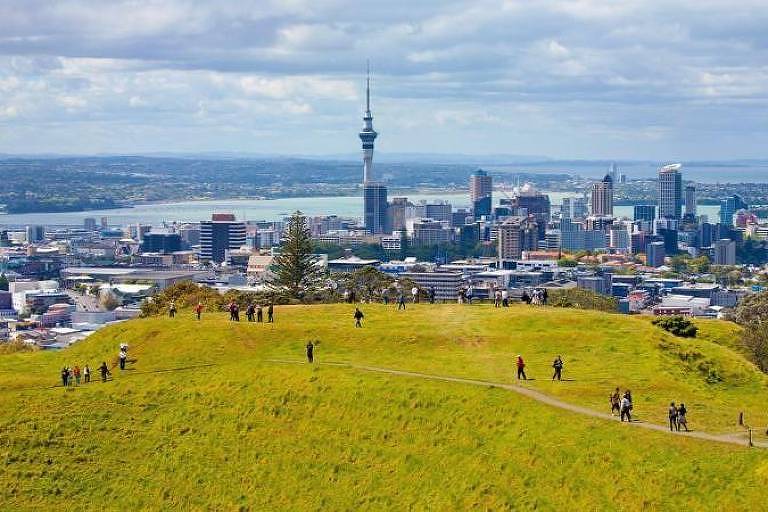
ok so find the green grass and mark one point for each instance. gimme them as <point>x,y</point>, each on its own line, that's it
<point>249,433</point>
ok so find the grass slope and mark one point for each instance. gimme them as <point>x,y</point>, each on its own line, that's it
<point>248,433</point>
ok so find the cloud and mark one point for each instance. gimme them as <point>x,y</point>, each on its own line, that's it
<point>571,78</point>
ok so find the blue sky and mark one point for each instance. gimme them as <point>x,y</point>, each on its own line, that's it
<point>664,80</point>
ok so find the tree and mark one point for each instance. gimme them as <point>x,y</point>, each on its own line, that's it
<point>752,315</point>
<point>677,325</point>
<point>295,268</point>
<point>4,285</point>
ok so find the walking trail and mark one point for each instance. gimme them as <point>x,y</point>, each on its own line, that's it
<point>738,439</point>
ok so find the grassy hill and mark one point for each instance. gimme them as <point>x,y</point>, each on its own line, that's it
<point>204,418</point>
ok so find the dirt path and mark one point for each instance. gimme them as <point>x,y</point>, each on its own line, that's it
<point>738,439</point>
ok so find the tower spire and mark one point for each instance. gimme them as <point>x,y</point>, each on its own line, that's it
<point>367,85</point>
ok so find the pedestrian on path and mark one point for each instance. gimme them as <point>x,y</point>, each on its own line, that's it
<point>76,371</point>
<point>199,310</point>
<point>615,399</point>
<point>521,368</point>
<point>64,376</point>
<point>672,413</point>
<point>682,421</point>
<point>401,301</point>
<point>558,366</point>
<point>87,374</point>
<point>358,317</point>
<point>310,352</point>
<point>626,408</point>
<point>415,294</point>
<point>104,369</point>
<point>123,356</point>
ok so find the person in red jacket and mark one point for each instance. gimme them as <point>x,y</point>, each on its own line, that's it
<point>521,368</point>
<point>199,310</point>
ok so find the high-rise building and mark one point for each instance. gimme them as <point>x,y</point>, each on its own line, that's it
<point>89,224</point>
<point>428,232</point>
<point>481,193</point>
<point>220,235</point>
<point>602,197</point>
<point>35,234</point>
<point>164,243</point>
<point>654,254</point>
<point>690,202</point>
<point>375,205</point>
<point>573,208</point>
<point>527,201</point>
<point>396,213</point>
<point>374,194</point>
<point>670,192</point>
<point>646,212</point>
<point>724,252</point>
<point>516,235</point>
<point>441,212</point>
<point>728,207</point>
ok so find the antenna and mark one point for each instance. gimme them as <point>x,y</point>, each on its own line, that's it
<point>367,85</point>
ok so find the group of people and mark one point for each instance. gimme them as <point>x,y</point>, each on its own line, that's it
<point>73,376</point>
<point>557,364</point>
<point>677,419</point>
<point>621,404</point>
<point>501,299</point>
<point>537,297</point>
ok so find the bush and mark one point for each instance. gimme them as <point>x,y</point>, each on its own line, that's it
<point>677,325</point>
<point>583,299</point>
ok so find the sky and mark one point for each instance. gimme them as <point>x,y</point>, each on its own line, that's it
<point>583,79</point>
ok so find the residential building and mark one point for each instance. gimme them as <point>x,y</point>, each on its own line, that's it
<point>516,235</point>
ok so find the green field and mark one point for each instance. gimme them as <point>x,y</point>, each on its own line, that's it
<point>206,418</point>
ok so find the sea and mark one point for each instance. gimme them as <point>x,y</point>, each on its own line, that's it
<point>156,214</point>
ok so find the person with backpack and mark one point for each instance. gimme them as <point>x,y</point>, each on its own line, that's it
<point>521,368</point>
<point>199,310</point>
<point>558,366</point>
<point>681,419</point>
<point>672,413</point>
<point>104,369</point>
<point>86,374</point>
<point>358,317</point>
<point>310,352</point>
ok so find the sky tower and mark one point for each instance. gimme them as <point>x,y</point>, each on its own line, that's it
<point>374,194</point>
<point>367,134</point>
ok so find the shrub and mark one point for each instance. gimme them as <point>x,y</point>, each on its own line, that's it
<point>677,325</point>
<point>583,299</point>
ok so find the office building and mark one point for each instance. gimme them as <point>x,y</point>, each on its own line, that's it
<point>396,213</point>
<point>644,212</point>
<point>220,235</point>
<point>573,208</point>
<point>654,254</point>
<point>480,193</point>
<point>527,201</point>
<point>690,202</point>
<point>35,234</point>
<point>163,243</point>
<point>89,224</point>
<point>428,232</point>
<point>516,235</point>
<point>441,212</point>
<point>374,194</point>
<point>670,192</point>
<point>602,197</point>
<point>724,252</point>
<point>728,208</point>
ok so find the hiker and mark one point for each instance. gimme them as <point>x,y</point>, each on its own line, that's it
<point>172,309</point>
<point>123,357</point>
<point>432,294</point>
<point>526,298</point>
<point>415,294</point>
<point>199,310</point>
<point>259,314</point>
<point>270,313</point>
<point>401,301</point>
<point>558,366</point>
<point>521,368</point>
<point>681,421</point>
<point>626,408</point>
<point>86,374</point>
<point>358,317</point>
<point>76,371</point>
<point>64,376</point>
<point>250,313</point>
<point>672,413</point>
<point>615,400</point>
<point>310,352</point>
<point>104,371</point>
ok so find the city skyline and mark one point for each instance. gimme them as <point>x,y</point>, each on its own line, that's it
<point>582,80</point>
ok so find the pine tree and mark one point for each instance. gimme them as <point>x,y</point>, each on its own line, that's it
<point>295,267</point>
<point>4,283</point>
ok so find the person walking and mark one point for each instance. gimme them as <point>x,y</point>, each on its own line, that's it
<point>70,377</point>
<point>558,366</point>
<point>104,369</point>
<point>544,296</point>
<point>672,413</point>
<point>64,376</point>
<point>86,374</point>
<point>358,317</point>
<point>199,310</point>
<point>232,311</point>
<point>682,421</point>
<point>432,294</point>
<point>497,298</point>
<point>259,314</point>
<point>415,294</point>
<point>76,371</point>
<point>615,400</point>
<point>626,408</point>
<point>310,352</point>
<point>505,298</point>
<point>250,313</point>
<point>172,309</point>
<point>401,301</point>
<point>521,368</point>
<point>123,357</point>
<point>270,313</point>
<point>526,298</point>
